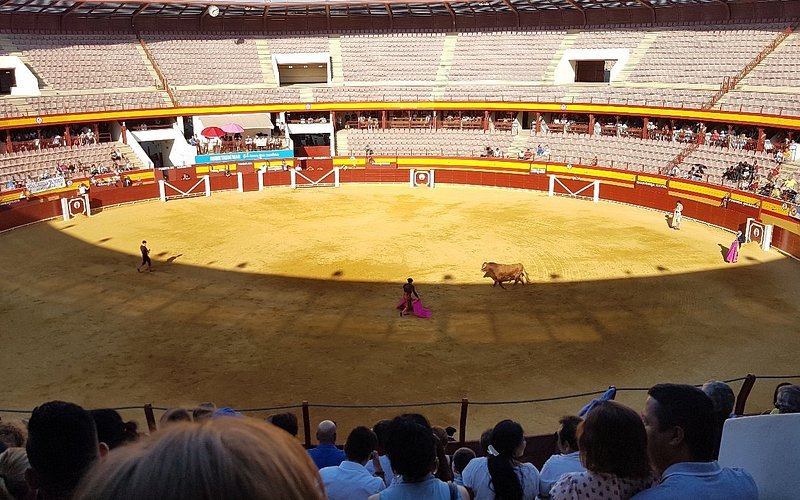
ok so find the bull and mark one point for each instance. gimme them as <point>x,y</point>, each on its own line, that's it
<point>504,272</point>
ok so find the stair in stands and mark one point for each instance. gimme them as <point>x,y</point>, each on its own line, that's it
<point>21,105</point>
<point>150,69</point>
<point>518,144</point>
<point>342,147</point>
<point>132,157</point>
<point>306,94</point>
<point>445,63</point>
<point>335,51</point>
<point>636,55</point>
<point>567,42</point>
<point>265,61</point>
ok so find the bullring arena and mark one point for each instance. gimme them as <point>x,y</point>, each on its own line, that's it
<point>291,164</point>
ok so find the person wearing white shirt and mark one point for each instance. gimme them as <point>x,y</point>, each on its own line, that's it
<point>381,431</point>
<point>501,474</point>
<point>351,480</point>
<point>569,460</point>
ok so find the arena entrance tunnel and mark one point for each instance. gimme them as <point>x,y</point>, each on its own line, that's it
<point>270,298</point>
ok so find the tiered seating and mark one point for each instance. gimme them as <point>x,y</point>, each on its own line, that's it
<point>520,56</point>
<point>298,44</point>
<point>236,96</point>
<point>608,39</point>
<point>762,103</point>
<point>206,59</point>
<point>46,105</point>
<point>627,153</point>
<point>719,159</point>
<point>780,68</point>
<point>702,56</point>
<point>35,164</point>
<point>399,56</point>
<point>70,62</point>
<point>470,143</point>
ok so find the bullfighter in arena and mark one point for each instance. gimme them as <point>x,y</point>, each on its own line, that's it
<point>145,257</point>
<point>677,215</point>
<point>409,292</point>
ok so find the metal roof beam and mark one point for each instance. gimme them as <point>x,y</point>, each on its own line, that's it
<point>646,3</point>
<point>391,15</point>
<point>513,9</point>
<point>452,14</point>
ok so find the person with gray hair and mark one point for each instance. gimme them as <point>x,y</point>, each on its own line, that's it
<point>723,399</point>
<point>788,399</point>
<point>326,454</point>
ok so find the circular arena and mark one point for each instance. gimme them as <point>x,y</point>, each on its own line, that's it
<point>290,164</point>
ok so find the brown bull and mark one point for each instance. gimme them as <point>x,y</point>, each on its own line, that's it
<point>504,272</point>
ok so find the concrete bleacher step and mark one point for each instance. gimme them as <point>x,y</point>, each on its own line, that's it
<point>306,94</point>
<point>335,50</point>
<point>567,42</point>
<point>151,70</point>
<point>518,144</point>
<point>637,53</point>
<point>445,63</point>
<point>342,146</point>
<point>21,105</point>
<point>9,48</point>
<point>775,55</point>
<point>131,156</point>
<point>265,62</point>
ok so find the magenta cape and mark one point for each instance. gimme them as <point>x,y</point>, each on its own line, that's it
<point>419,310</point>
<point>733,253</point>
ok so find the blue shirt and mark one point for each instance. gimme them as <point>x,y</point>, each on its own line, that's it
<point>350,481</point>
<point>706,480</point>
<point>326,455</point>
<point>555,467</point>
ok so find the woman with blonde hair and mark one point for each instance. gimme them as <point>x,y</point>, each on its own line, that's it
<point>219,458</point>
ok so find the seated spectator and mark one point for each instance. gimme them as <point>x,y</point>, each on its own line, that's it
<point>486,439</point>
<point>723,399</point>
<point>613,448</point>
<point>203,410</point>
<point>62,447</point>
<point>111,430</point>
<point>681,432</point>
<point>500,474</point>
<point>445,471</point>
<point>286,421</point>
<point>539,150</point>
<point>326,454</point>
<point>787,400</point>
<point>411,447</point>
<point>351,480</point>
<point>220,458</point>
<point>13,465</point>
<point>451,432</point>
<point>568,460</point>
<point>174,415</point>
<point>381,430</point>
<point>461,458</point>
<point>12,435</point>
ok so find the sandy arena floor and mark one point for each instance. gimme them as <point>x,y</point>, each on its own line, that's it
<point>266,299</point>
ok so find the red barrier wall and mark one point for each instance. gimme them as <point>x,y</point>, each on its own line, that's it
<point>705,204</point>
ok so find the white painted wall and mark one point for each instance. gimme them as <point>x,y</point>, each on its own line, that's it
<point>27,85</point>
<point>565,71</point>
<point>173,146</point>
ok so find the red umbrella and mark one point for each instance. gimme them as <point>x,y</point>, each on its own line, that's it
<point>212,132</point>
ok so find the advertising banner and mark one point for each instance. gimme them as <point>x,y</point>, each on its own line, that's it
<point>46,184</point>
<point>273,154</point>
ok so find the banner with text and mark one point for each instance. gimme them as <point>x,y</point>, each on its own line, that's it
<point>273,154</point>
<point>46,184</point>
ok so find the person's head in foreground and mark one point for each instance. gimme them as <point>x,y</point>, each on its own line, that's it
<point>612,440</point>
<point>508,442</point>
<point>62,446</point>
<point>218,458</point>
<point>411,447</point>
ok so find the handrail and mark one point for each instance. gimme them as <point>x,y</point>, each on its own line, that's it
<point>729,83</point>
<point>160,74</point>
<point>748,381</point>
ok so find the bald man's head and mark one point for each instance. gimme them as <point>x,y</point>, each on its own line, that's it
<point>326,432</point>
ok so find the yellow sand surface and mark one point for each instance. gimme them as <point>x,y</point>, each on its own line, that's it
<point>270,298</point>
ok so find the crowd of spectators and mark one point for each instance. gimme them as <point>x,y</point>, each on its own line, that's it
<point>668,452</point>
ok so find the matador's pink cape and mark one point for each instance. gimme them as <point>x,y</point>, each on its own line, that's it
<point>419,310</point>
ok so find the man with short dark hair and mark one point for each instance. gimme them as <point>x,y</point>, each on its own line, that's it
<point>350,479</point>
<point>461,458</point>
<point>326,454</point>
<point>286,421</point>
<point>381,430</point>
<point>681,432</point>
<point>62,446</point>
<point>569,460</point>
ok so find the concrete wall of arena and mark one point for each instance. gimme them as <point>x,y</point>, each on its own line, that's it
<point>717,205</point>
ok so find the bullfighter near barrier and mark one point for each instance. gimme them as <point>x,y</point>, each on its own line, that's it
<point>505,272</point>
